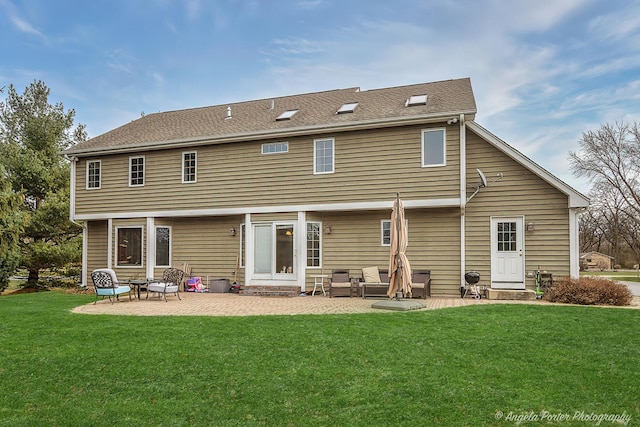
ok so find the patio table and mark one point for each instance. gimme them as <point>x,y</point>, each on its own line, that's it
<point>138,283</point>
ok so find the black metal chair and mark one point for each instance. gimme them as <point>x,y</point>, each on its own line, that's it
<point>170,284</point>
<point>105,284</point>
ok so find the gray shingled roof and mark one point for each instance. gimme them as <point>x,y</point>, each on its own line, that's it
<point>316,111</point>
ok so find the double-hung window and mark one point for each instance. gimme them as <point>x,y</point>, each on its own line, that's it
<point>189,166</point>
<point>136,171</point>
<point>129,248</point>
<point>163,246</point>
<point>94,171</point>
<point>434,147</point>
<point>323,156</point>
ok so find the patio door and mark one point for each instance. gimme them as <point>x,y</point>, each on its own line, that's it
<point>507,253</point>
<point>274,251</point>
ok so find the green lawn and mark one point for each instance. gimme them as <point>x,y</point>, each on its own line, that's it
<point>462,366</point>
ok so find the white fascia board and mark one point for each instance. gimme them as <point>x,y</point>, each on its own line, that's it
<point>576,199</point>
<point>339,207</point>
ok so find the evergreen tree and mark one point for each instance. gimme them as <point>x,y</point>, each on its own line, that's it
<point>33,134</point>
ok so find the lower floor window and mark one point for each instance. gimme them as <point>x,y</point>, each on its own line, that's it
<point>313,244</point>
<point>163,246</point>
<point>129,246</point>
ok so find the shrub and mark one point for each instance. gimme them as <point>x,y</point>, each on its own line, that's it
<point>589,291</point>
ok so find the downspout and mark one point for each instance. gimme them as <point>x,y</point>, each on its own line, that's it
<point>463,198</point>
<point>72,214</point>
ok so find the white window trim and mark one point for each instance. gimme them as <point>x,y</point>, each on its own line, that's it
<point>196,167</point>
<point>382,222</point>
<point>117,259</point>
<point>99,175</point>
<point>320,235</point>
<point>170,245</point>
<point>144,171</point>
<point>444,147</point>
<point>333,156</point>
<point>285,144</point>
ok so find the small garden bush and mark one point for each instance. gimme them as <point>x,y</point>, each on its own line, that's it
<point>589,291</point>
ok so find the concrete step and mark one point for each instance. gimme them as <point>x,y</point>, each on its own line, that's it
<point>270,291</point>
<point>512,294</point>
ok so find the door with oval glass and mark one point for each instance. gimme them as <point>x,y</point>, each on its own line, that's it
<point>274,251</point>
<point>507,253</point>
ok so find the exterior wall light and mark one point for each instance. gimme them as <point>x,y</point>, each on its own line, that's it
<point>232,231</point>
<point>531,226</point>
<point>327,229</point>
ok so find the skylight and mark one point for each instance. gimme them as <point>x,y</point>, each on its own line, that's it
<point>286,115</point>
<point>347,108</point>
<point>416,100</point>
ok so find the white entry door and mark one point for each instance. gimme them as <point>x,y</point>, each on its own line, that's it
<point>274,251</point>
<point>507,253</point>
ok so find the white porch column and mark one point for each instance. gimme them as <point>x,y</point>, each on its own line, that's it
<point>110,243</point>
<point>85,237</point>
<point>151,247</point>
<point>574,244</point>
<point>301,252</point>
<point>248,249</point>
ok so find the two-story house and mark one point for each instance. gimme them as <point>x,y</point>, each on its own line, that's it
<point>291,187</point>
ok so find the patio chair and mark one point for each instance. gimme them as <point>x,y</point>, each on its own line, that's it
<point>105,284</point>
<point>421,283</point>
<point>340,284</point>
<point>170,284</point>
<point>372,283</point>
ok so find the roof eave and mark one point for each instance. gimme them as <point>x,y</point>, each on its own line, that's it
<point>271,133</point>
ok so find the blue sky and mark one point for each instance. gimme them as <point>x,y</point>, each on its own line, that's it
<point>543,71</point>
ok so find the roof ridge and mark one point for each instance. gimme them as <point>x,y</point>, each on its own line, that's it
<point>354,89</point>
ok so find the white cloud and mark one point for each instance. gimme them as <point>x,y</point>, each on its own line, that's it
<point>19,22</point>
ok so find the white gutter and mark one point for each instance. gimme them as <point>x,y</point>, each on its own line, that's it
<point>354,206</point>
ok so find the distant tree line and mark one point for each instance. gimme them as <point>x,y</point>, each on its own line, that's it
<point>610,159</point>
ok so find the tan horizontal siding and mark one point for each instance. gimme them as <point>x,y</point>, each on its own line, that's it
<point>519,193</point>
<point>206,245</point>
<point>434,244</point>
<point>97,244</point>
<point>369,166</point>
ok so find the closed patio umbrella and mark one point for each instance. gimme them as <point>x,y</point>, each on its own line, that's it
<point>399,266</point>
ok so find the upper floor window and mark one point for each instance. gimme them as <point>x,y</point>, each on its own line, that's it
<point>136,171</point>
<point>93,174</point>
<point>189,166</point>
<point>433,147</point>
<point>275,147</point>
<point>129,252</point>
<point>323,156</point>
